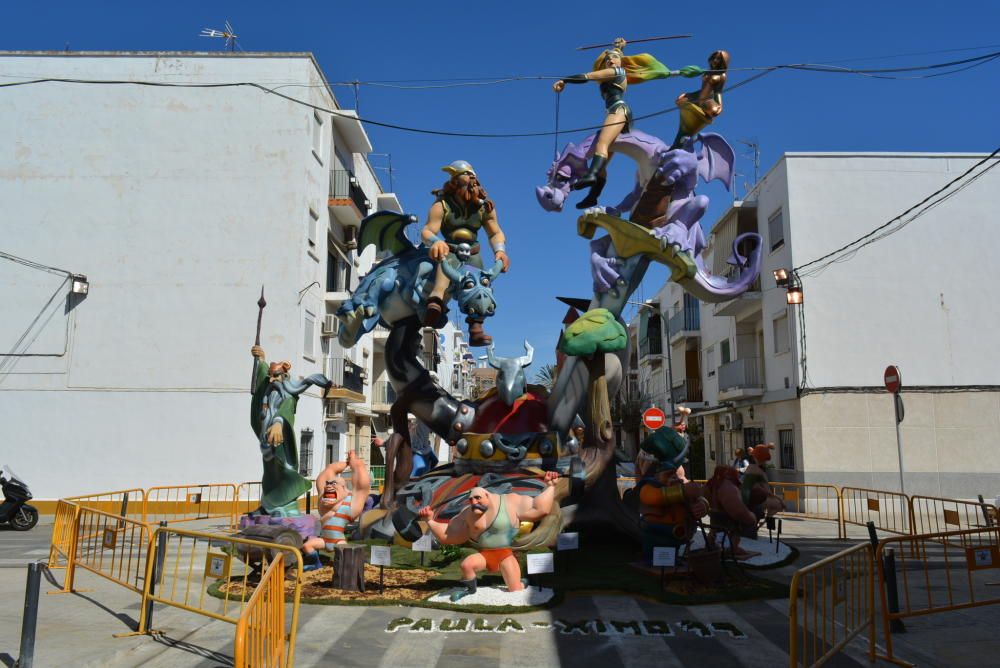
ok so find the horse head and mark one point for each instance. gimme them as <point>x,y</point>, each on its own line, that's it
<point>511,382</point>
<point>565,169</point>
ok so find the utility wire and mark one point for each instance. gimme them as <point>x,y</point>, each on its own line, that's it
<point>35,265</point>
<point>970,62</point>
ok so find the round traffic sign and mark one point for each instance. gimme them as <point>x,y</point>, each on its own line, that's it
<point>893,383</point>
<point>654,418</point>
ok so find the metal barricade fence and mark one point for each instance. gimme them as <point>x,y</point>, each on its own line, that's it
<point>123,502</point>
<point>111,546</point>
<point>944,571</point>
<point>811,501</point>
<point>247,499</point>
<point>890,511</point>
<point>260,631</point>
<point>185,503</point>
<point>215,575</point>
<point>829,603</point>
<point>63,533</point>
<point>931,514</point>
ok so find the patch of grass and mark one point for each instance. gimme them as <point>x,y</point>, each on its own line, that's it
<point>600,568</point>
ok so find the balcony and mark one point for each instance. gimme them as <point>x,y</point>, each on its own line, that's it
<point>685,323</point>
<point>651,350</point>
<point>348,202</point>
<point>383,396</point>
<point>740,379</point>
<point>348,379</point>
<point>746,304</point>
<point>687,392</point>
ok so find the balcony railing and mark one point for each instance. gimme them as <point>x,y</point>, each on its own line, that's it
<point>652,345</point>
<point>382,393</point>
<point>345,373</point>
<point>688,319</point>
<point>744,372</point>
<point>688,391</point>
<point>344,185</point>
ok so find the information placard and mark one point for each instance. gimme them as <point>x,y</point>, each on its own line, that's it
<point>423,544</point>
<point>541,562</point>
<point>664,556</point>
<point>217,565</point>
<point>381,555</point>
<point>568,541</point>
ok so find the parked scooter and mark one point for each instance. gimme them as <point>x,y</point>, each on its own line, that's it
<point>15,510</point>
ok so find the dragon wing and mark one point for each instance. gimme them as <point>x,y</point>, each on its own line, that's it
<point>384,230</point>
<point>717,159</point>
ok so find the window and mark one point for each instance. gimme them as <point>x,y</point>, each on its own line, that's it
<point>312,222</point>
<point>780,329</point>
<point>752,436</point>
<point>317,136</point>
<point>724,352</point>
<point>710,360</point>
<point>776,230</point>
<point>332,272</point>
<point>306,453</point>
<point>309,339</point>
<point>786,443</point>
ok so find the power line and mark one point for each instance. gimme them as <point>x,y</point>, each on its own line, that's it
<point>35,265</point>
<point>970,62</point>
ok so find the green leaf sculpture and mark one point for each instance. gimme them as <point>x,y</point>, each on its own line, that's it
<point>595,331</point>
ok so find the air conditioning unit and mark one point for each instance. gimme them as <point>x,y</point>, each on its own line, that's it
<point>731,421</point>
<point>331,325</point>
<point>335,409</point>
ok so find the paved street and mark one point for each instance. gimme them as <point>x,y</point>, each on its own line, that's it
<point>77,628</point>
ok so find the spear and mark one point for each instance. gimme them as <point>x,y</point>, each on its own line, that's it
<point>261,303</point>
<point>632,41</point>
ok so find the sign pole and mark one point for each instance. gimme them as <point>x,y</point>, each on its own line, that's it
<point>894,383</point>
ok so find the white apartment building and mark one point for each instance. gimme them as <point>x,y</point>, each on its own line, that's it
<point>177,203</point>
<point>809,378</point>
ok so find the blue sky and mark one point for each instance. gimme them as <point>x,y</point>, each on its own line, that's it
<point>784,111</point>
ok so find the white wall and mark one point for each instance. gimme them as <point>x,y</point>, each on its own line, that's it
<point>177,204</point>
<point>918,299</point>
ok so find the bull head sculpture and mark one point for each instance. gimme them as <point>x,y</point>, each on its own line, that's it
<point>511,382</point>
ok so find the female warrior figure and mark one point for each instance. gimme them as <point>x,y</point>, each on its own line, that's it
<point>701,107</point>
<point>614,71</point>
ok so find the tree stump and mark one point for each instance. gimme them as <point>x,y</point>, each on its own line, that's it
<point>349,567</point>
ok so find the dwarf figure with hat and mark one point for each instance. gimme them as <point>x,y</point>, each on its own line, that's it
<point>669,503</point>
<point>272,416</point>
<point>460,209</point>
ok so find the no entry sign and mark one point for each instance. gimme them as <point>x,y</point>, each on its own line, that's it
<point>893,383</point>
<point>654,418</point>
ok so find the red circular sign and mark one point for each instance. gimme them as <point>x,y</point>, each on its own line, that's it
<point>654,418</point>
<point>893,383</point>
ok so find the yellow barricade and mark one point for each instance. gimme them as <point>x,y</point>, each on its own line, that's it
<point>188,564</point>
<point>260,631</point>
<point>185,503</point>
<point>63,533</point>
<point>829,603</point>
<point>890,511</point>
<point>248,499</point>
<point>811,501</point>
<point>111,546</point>
<point>946,571</point>
<point>931,514</point>
<point>122,502</point>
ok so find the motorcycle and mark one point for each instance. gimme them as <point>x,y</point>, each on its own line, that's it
<point>15,510</point>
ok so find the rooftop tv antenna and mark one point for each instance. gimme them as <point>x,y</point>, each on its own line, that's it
<point>227,34</point>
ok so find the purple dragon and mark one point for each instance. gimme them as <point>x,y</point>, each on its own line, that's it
<point>663,201</point>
